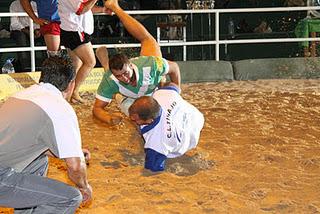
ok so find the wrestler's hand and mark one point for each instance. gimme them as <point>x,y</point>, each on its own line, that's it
<point>86,193</point>
<point>115,119</point>
<point>111,4</point>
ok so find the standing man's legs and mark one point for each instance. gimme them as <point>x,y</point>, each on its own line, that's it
<point>52,43</point>
<point>29,192</point>
<point>76,61</point>
<point>81,52</point>
<point>84,59</point>
<point>149,46</point>
<point>51,34</point>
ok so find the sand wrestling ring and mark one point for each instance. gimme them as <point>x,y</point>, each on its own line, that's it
<point>258,153</point>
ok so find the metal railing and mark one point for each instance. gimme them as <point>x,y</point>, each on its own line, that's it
<point>216,28</point>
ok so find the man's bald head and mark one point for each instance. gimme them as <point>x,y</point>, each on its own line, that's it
<point>146,107</point>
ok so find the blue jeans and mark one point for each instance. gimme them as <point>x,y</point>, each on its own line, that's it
<point>30,192</point>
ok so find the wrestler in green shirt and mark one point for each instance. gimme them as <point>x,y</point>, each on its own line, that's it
<point>131,78</point>
<point>148,71</point>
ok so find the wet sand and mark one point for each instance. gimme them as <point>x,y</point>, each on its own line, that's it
<point>259,152</point>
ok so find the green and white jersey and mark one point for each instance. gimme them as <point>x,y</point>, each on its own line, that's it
<point>148,70</point>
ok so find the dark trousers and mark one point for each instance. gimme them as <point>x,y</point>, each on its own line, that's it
<point>23,63</point>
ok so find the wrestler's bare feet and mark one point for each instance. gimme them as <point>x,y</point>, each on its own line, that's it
<point>76,99</point>
<point>112,4</point>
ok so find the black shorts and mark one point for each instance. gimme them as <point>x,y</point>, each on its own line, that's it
<point>72,39</point>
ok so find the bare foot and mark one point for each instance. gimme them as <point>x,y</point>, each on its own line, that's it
<point>111,4</point>
<point>76,99</point>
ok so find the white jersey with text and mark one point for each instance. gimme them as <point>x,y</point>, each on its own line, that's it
<point>177,129</point>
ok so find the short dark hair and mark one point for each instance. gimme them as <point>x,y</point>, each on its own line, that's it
<point>117,61</point>
<point>57,70</point>
<point>146,107</point>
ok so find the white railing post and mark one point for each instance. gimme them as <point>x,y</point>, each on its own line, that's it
<point>217,27</point>
<point>184,28</point>
<point>32,52</point>
<point>158,34</point>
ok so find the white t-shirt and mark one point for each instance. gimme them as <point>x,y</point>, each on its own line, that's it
<point>20,22</point>
<point>72,20</point>
<point>178,128</point>
<point>62,115</point>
